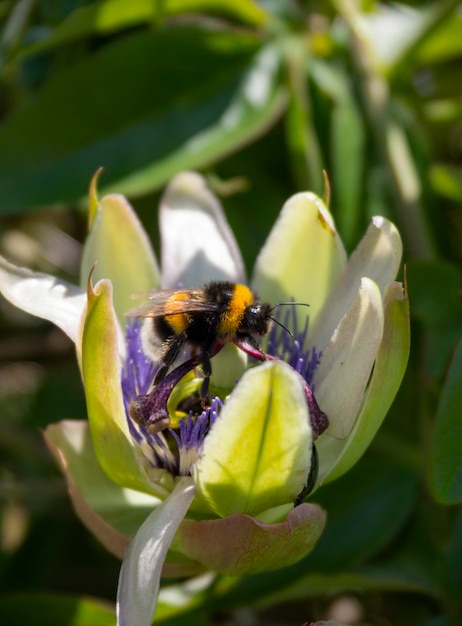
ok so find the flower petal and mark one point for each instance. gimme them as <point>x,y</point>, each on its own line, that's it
<point>303,255</point>
<point>112,513</point>
<point>44,296</point>
<point>377,256</point>
<point>258,453</point>
<point>106,412</point>
<point>239,544</point>
<point>341,378</point>
<point>122,251</point>
<point>338,456</point>
<point>197,242</point>
<point>228,367</point>
<point>142,566</point>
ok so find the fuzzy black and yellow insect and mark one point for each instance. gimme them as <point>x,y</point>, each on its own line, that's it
<point>204,319</point>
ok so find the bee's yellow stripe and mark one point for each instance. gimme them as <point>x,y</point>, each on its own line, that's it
<point>178,321</point>
<point>232,317</point>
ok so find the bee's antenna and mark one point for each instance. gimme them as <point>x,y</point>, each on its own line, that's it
<point>280,323</point>
<point>291,303</point>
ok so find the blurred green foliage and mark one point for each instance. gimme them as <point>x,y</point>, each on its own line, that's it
<point>262,97</point>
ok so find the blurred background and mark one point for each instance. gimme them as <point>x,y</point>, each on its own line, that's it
<point>261,97</point>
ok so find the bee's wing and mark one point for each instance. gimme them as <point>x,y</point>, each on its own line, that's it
<point>159,303</point>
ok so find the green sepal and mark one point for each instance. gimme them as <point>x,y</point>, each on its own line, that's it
<point>119,246</point>
<point>93,201</point>
<point>101,367</point>
<point>239,544</point>
<point>342,376</point>
<point>112,513</point>
<point>387,375</point>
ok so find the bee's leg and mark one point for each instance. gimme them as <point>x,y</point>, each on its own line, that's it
<point>312,477</point>
<point>207,371</point>
<point>175,343</point>
<point>160,374</point>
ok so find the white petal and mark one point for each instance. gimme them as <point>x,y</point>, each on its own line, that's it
<point>197,242</point>
<point>44,296</point>
<point>378,257</point>
<point>346,364</point>
<point>142,566</point>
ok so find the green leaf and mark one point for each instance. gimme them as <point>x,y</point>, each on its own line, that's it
<point>109,16</point>
<point>207,94</point>
<point>300,126</point>
<point>434,288</point>
<point>433,283</point>
<point>446,180</point>
<point>443,110</point>
<point>46,609</point>
<point>236,115</point>
<point>453,577</point>
<point>347,145</point>
<point>323,622</point>
<point>415,556</point>
<point>443,620</point>
<point>441,41</point>
<point>366,509</point>
<point>348,151</point>
<point>446,460</point>
<point>311,585</point>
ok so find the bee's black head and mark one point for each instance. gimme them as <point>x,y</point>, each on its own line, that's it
<point>257,319</point>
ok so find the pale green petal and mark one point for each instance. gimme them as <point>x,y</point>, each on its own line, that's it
<point>112,513</point>
<point>338,456</point>
<point>346,364</point>
<point>197,242</point>
<point>302,257</point>
<point>142,566</point>
<point>44,296</point>
<point>106,412</point>
<point>258,453</point>
<point>378,256</point>
<point>121,249</point>
<point>228,366</point>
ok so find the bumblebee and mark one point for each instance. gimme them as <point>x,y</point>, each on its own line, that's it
<point>205,320</point>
